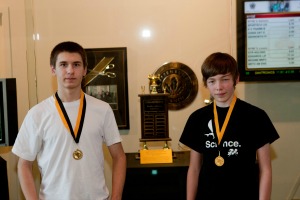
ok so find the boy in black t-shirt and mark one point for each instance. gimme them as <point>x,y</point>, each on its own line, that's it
<point>229,140</point>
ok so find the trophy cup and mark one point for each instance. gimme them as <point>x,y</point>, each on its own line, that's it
<point>153,83</point>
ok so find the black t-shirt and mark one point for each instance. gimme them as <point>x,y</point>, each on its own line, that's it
<point>248,129</point>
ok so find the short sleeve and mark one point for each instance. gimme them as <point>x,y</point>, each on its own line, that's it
<point>28,142</point>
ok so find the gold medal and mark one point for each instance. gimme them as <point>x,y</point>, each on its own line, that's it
<point>77,155</point>
<point>219,161</point>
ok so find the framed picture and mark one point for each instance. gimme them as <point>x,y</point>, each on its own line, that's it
<point>106,80</point>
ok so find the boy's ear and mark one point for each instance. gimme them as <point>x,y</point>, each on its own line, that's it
<point>52,69</point>
<point>85,71</point>
<point>237,80</point>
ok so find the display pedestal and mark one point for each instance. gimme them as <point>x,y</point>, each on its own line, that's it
<point>4,194</point>
<point>156,181</point>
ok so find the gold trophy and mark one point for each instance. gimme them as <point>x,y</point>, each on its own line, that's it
<point>153,83</point>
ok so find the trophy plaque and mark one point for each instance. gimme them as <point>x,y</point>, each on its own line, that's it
<point>154,117</point>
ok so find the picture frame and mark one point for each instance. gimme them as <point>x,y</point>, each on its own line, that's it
<point>106,79</point>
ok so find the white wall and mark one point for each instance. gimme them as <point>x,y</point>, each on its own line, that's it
<point>184,31</point>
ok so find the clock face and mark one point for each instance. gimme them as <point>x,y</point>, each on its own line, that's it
<point>180,82</point>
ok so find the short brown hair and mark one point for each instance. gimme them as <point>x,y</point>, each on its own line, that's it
<point>219,63</point>
<point>68,46</point>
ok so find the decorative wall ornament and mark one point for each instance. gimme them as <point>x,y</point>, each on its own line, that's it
<point>106,79</point>
<point>180,82</point>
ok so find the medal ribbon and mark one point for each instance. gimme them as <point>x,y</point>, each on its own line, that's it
<point>65,119</point>
<point>221,133</point>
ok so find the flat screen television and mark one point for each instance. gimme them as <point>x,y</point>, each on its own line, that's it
<point>8,112</point>
<point>268,40</point>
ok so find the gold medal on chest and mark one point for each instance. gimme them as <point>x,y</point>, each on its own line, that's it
<point>77,155</point>
<point>219,161</point>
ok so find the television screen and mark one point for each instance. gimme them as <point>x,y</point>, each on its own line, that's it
<point>8,111</point>
<point>268,40</point>
<point>2,130</point>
